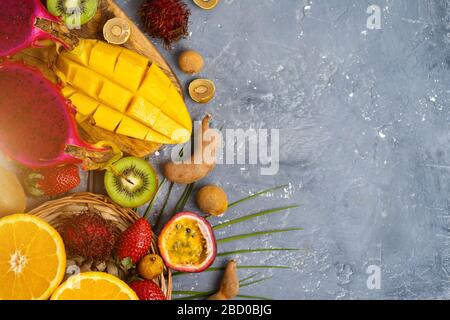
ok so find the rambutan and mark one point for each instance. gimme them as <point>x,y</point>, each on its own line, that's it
<point>166,19</point>
<point>88,235</point>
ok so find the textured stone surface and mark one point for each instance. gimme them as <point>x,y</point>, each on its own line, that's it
<point>364,139</point>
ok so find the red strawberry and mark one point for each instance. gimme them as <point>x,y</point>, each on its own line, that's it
<point>147,290</point>
<point>53,181</point>
<point>88,235</point>
<point>134,243</point>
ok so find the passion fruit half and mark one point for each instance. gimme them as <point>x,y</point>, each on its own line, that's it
<point>187,243</point>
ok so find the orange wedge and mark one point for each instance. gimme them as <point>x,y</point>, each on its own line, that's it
<point>94,286</point>
<point>32,258</point>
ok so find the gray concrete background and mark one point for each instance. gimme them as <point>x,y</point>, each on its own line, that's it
<point>364,137</point>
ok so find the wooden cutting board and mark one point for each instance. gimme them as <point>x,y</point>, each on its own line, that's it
<point>43,58</point>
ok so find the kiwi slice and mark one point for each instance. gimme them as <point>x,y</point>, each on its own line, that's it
<point>74,13</point>
<point>131,182</point>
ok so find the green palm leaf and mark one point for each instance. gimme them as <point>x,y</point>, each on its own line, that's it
<point>255,234</point>
<point>252,297</point>
<point>260,193</point>
<point>181,203</point>
<point>212,269</point>
<point>252,216</point>
<point>166,200</point>
<point>150,205</point>
<point>230,253</point>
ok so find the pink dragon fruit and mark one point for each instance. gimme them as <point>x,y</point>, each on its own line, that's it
<point>24,23</point>
<point>37,124</point>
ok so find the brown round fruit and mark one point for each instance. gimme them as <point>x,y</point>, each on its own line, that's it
<point>212,200</point>
<point>151,266</point>
<point>191,62</point>
<point>187,243</point>
<point>202,90</point>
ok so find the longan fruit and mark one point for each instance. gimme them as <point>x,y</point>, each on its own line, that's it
<point>191,62</point>
<point>212,200</point>
<point>151,266</point>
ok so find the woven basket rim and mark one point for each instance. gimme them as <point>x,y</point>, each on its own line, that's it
<point>52,210</point>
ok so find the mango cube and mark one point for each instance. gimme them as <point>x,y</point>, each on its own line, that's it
<point>67,68</point>
<point>85,105</point>
<point>154,90</point>
<point>104,57</point>
<point>156,137</point>
<point>88,81</point>
<point>67,91</point>
<point>115,96</point>
<point>132,128</point>
<point>171,129</point>
<point>130,69</point>
<point>143,111</point>
<point>107,118</point>
<point>172,109</point>
<point>81,53</point>
<point>162,77</point>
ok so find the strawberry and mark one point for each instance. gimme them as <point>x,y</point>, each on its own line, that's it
<point>88,235</point>
<point>134,242</point>
<point>147,290</point>
<point>52,181</point>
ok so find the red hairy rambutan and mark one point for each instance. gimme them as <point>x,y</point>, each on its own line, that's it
<point>88,235</point>
<point>166,19</point>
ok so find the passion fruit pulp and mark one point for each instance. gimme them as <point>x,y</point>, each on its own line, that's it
<point>187,243</point>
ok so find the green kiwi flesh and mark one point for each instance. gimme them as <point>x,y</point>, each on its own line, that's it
<point>73,12</point>
<point>131,182</point>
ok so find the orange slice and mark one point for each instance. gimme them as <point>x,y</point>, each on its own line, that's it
<point>32,258</point>
<point>94,286</point>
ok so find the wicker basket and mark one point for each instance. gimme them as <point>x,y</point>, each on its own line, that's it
<point>56,211</point>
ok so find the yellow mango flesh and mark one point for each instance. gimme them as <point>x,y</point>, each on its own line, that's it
<point>132,128</point>
<point>107,118</point>
<point>122,93</point>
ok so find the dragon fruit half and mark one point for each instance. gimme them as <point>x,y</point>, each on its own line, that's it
<point>24,23</point>
<point>37,124</point>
